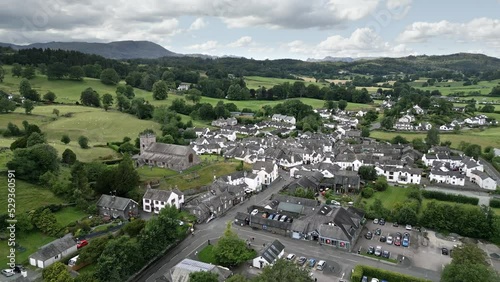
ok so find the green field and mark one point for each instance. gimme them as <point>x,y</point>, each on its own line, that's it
<point>28,196</point>
<point>388,197</point>
<point>69,214</point>
<point>30,242</point>
<point>484,87</point>
<point>207,255</point>
<point>484,138</point>
<point>268,82</point>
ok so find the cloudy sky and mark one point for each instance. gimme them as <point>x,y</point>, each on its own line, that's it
<point>264,28</point>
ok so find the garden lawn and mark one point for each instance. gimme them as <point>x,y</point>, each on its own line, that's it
<point>69,214</point>
<point>28,196</point>
<point>147,173</point>
<point>388,197</point>
<point>31,242</point>
<point>207,255</point>
<point>484,138</point>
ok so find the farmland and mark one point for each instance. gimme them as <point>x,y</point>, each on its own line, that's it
<point>447,88</point>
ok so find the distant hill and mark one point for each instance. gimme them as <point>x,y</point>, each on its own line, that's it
<point>112,50</point>
<point>338,59</point>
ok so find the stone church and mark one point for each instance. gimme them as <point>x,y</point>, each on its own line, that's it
<point>174,157</point>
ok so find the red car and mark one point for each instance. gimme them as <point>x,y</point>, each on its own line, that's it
<point>81,244</point>
<point>397,241</point>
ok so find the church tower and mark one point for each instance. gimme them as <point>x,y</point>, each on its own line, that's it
<point>146,140</point>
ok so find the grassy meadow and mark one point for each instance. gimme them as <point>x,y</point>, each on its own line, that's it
<point>483,87</point>
<point>484,138</point>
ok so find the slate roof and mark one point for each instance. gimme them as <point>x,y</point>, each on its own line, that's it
<point>169,149</point>
<point>290,207</point>
<point>180,272</point>
<point>159,195</point>
<point>113,202</point>
<point>295,200</point>
<point>268,166</point>
<point>54,248</point>
<point>270,253</point>
<point>482,175</point>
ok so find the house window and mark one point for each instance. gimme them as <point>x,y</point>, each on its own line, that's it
<point>190,158</point>
<point>56,257</point>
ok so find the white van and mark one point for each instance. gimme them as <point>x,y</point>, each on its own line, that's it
<point>72,261</point>
<point>321,265</point>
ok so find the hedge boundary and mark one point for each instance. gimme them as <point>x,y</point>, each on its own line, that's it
<point>371,272</point>
<point>450,197</point>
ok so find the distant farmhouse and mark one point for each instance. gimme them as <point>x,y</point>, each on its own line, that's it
<point>170,156</point>
<point>183,86</point>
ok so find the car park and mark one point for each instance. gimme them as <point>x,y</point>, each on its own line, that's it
<point>378,231</point>
<point>397,241</point>
<point>370,250</point>
<point>277,217</point>
<point>254,212</point>
<point>321,265</point>
<point>271,216</point>
<point>312,262</point>
<point>382,239</point>
<point>290,257</point>
<point>375,221</point>
<point>368,235</point>
<point>408,227</point>
<point>386,254</point>
<point>301,260</point>
<point>289,219</point>
<point>381,221</point>
<point>378,251</point>
<point>406,240</point>
<point>7,272</point>
<point>389,240</point>
<point>445,252</point>
<point>395,224</point>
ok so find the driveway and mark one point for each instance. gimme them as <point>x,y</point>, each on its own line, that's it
<point>484,198</point>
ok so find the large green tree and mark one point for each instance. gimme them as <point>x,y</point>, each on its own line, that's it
<point>231,250</point>
<point>468,265</point>
<point>29,72</point>
<point>76,73</point>
<point>28,106</point>
<point>120,258</point>
<point>432,138</point>
<point>91,253</point>
<point>160,90</point>
<point>107,101</point>
<point>2,74</point>
<point>110,77</point>
<point>284,271</point>
<point>30,163</point>
<point>90,97</point>
<point>122,179</point>
<point>6,105</point>
<point>57,272</point>
<point>17,70</point>
<point>203,276</point>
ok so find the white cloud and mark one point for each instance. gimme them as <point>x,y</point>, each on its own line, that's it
<point>199,23</point>
<point>477,30</point>
<point>210,45</point>
<point>398,8</point>
<point>242,42</point>
<point>362,42</point>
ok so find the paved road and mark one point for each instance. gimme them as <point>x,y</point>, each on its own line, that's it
<point>214,229</point>
<point>484,198</point>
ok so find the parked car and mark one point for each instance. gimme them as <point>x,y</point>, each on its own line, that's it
<point>371,250</point>
<point>7,272</point>
<point>383,239</point>
<point>406,240</point>
<point>397,241</point>
<point>386,254</point>
<point>290,257</point>
<point>375,221</point>
<point>271,216</point>
<point>321,265</point>
<point>312,262</point>
<point>81,244</point>
<point>289,219</point>
<point>301,260</point>
<point>381,221</point>
<point>408,227</point>
<point>374,280</point>
<point>18,268</point>
<point>395,224</point>
<point>254,212</point>
<point>378,251</point>
<point>369,235</point>
<point>283,218</point>
<point>378,231</point>
<point>364,279</point>
<point>389,240</point>
<point>445,252</point>
<point>277,217</point>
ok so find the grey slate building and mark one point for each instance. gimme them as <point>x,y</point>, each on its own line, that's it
<point>175,157</point>
<point>117,207</point>
<point>180,272</point>
<point>53,251</point>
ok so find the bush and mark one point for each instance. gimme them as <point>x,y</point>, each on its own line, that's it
<point>364,270</point>
<point>367,192</point>
<point>495,203</point>
<point>450,197</point>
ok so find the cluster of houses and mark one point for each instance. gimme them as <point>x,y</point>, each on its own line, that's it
<point>450,169</point>
<point>341,118</point>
